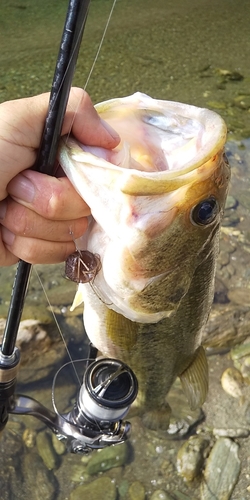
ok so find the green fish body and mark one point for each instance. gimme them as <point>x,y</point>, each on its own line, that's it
<point>157,202</point>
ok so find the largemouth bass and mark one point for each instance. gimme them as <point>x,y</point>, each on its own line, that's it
<point>157,202</point>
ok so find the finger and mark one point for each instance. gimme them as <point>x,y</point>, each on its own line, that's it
<point>84,119</point>
<point>50,197</point>
<point>22,221</point>
<point>22,123</point>
<point>35,251</point>
<point>6,257</point>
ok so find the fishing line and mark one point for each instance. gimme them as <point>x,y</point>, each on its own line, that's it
<point>95,60</point>
<point>53,397</point>
<point>100,45</point>
<point>57,324</point>
<point>71,362</point>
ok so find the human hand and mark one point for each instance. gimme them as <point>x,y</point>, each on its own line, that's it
<point>39,213</point>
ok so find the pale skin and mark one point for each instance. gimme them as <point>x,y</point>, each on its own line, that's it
<point>40,215</point>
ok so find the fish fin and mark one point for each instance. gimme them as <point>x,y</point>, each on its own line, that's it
<point>157,419</point>
<point>194,379</point>
<point>122,331</point>
<point>78,299</point>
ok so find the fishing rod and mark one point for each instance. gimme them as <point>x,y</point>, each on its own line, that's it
<point>85,427</point>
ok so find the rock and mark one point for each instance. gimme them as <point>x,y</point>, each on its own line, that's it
<point>101,489</point>
<point>178,495</point>
<point>240,351</point>
<point>242,101</point>
<point>59,446</point>
<point>217,104</point>
<point>228,75</point>
<point>29,330</point>
<point>240,296</point>
<point>136,491</point>
<point>231,433</point>
<point>227,326</point>
<point>191,457</point>
<point>29,438</point>
<point>39,481</point>
<point>222,471</point>
<point>46,450</point>
<point>232,382</point>
<point>123,488</point>
<point>220,292</point>
<point>245,369</point>
<point>161,495</point>
<point>231,202</point>
<point>107,458</point>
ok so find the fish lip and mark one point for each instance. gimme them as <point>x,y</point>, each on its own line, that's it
<point>140,183</point>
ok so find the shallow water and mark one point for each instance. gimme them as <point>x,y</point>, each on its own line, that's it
<point>190,51</point>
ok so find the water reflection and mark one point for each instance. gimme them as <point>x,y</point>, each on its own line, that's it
<point>177,50</point>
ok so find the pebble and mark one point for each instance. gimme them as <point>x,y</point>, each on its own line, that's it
<point>242,101</point>
<point>123,488</point>
<point>59,446</point>
<point>231,202</point>
<point>222,471</point>
<point>240,351</point>
<point>46,450</point>
<point>232,382</point>
<point>107,458</point>
<point>100,489</point>
<point>29,438</point>
<point>245,369</point>
<point>137,491</point>
<point>231,433</point>
<point>161,495</point>
<point>239,295</point>
<point>191,457</point>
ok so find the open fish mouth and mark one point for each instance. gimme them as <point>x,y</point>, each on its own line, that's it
<point>146,197</point>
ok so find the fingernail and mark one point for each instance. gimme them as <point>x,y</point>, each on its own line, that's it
<point>3,208</point>
<point>22,188</point>
<point>7,236</point>
<point>110,130</point>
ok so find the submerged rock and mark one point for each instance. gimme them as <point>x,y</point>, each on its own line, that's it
<point>136,491</point>
<point>107,458</point>
<point>222,471</point>
<point>101,489</point>
<point>46,450</point>
<point>191,457</point>
<point>161,495</point>
<point>232,382</point>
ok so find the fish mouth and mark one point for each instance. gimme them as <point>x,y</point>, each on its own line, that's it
<point>164,144</point>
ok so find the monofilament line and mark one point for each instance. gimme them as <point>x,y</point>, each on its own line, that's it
<point>57,324</point>
<point>100,44</point>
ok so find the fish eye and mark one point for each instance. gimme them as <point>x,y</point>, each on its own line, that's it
<point>205,212</point>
